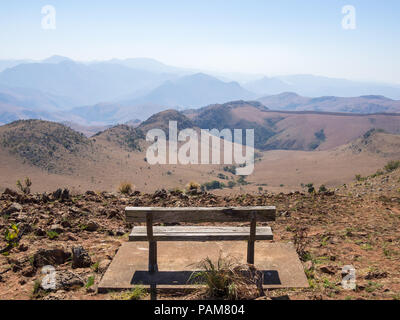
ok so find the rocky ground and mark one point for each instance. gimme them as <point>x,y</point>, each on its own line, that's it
<point>357,225</point>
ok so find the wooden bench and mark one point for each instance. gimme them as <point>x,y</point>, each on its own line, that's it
<point>152,215</point>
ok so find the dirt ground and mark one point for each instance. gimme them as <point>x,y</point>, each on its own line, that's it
<point>357,224</point>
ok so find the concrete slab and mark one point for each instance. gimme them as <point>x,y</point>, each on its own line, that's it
<point>176,262</point>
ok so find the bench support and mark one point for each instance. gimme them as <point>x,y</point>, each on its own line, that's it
<point>153,267</point>
<point>251,241</point>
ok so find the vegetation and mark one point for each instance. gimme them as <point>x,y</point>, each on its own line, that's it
<point>137,293</point>
<point>25,187</point>
<point>322,188</point>
<point>228,279</point>
<point>52,235</point>
<point>192,186</point>
<point>212,185</point>
<point>310,187</point>
<point>125,188</point>
<point>231,169</point>
<point>392,165</point>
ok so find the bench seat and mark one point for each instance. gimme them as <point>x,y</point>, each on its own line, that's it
<point>199,233</point>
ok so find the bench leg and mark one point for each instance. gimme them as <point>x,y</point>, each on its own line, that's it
<point>252,238</point>
<point>153,267</point>
<point>250,252</point>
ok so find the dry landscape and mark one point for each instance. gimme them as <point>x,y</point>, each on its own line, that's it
<point>356,224</point>
<point>339,203</point>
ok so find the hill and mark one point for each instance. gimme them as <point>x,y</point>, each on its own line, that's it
<point>289,130</point>
<point>364,104</point>
<point>47,145</point>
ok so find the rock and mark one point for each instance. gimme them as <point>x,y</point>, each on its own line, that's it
<point>50,257</point>
<point>56,228</point>
<point>22,247</point>
<point>40,232</point>
<point>103,265</point>
<point>65,224</point>
<point>10,192</point>
<point>29,271</point>
<point>329,269</point>
<point>80,258</point>
<point>376,275</point>
<point>66,280</point>
<point>15,207</point>
<point>92,226</point>
<point>160,194</point>
<point>65,195</point>
<point>67,236</point>
<point>113,213</point>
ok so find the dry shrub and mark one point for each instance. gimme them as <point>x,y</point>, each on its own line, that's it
<point>228,279</point>
<point>125,188</point>
<point>301,242</point>
<point>192,186</point>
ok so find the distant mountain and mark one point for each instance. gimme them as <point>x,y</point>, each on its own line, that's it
<point>56,59</point>
<point>314,86</point>
<point>4,64</point>
<point>150,65</point>
<point>362,104</point>
<point>82,84</point>
<point>195,91</point>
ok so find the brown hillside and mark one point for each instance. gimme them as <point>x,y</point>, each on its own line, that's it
<point>47,145</point>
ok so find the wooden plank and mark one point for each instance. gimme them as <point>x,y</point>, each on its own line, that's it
<point>192,233</point>
<point>200,214</point>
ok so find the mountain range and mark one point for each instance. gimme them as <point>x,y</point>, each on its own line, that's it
<point>116,91</point>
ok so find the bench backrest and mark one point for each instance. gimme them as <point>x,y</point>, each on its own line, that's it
<point>200,214</point>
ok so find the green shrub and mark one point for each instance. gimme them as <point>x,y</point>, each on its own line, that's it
<point>392,165</point>
<point>52,235</point>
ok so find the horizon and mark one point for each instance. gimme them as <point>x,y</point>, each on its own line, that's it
<point>255,38</point>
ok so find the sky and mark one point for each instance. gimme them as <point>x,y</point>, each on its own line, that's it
<point>248,36</point>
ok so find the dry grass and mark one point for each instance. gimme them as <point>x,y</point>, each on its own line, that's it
<point>125,188</point>
<point>228,279</point>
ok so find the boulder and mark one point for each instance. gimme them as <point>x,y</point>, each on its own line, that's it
<point>52,257</point>
<point>80,258</point>
<point>14,207</point>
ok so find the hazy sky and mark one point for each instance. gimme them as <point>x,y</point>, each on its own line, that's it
<point>253,36</point>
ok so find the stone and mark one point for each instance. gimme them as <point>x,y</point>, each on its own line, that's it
<point>329,269</point>
<point>10,192</point>
<point>66,280</point>
<point>92,226</point>
<point>29,271</point>
<point>56,228</point>
<point>14,207</point>
<point>80,258</point>
<point>44,257</point>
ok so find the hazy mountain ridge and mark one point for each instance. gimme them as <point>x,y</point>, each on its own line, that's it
<point>363,104</point>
